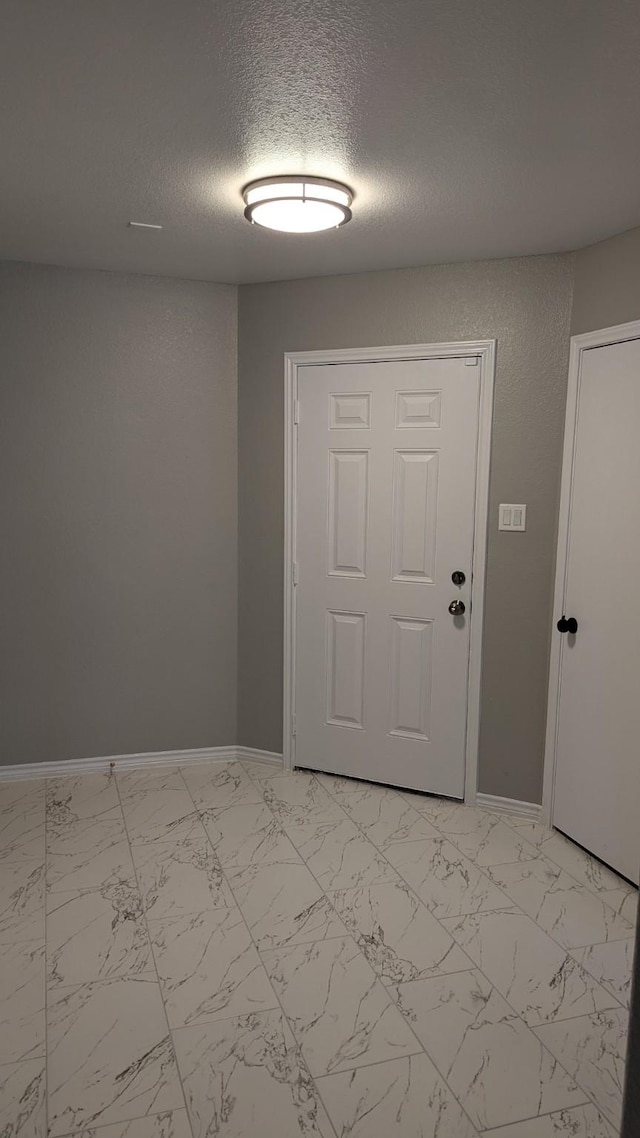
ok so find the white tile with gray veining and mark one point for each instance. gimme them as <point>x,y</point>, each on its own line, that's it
<point>81,798</point>
<point>340,1013</point>
<point>404,1097</point>
<point>443,812</point>
<point>611,964</point>
<point>387,818</point>
<point>110,1056</point>
<point>299,798</point>
<point>283,904</point>
<point>246,1078</point>
<point>396,932</point>
<point>577,1122</point>
<point>346,789</point>
<point>492,1061</point>
<point>327,958</point>
<point>447,882</point>
<point>96,934</point>
<point>541,980</point>
<point>168,1124</point>
<point>23,1099</point>
<point>180,877</point>
<point>484,837</point>
<point>167,815</point>
<point>213,786</point>
<point>624,902</point>
<point>209,967</point>
<point>258,770</point>
<point>592,1049</point>
<point>22,820</point>
<point>567,910</point>
<point>22,1001</point>
<point>22,888</point>
<point>569,856</point>
<point>338,854</point>
<point>247,835</point>
<point>88,855</point>
<point>145,780</point>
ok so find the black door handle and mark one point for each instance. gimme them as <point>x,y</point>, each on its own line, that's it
<point>567,624</point>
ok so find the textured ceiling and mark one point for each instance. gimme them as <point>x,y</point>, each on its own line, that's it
<point>467,128</point>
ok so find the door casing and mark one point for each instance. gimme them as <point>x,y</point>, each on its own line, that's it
<point>485,352</point>
<point>601,338</point>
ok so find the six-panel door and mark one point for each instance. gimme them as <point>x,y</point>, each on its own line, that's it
<point>386,487</point>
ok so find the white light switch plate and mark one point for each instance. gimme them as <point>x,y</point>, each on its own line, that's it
<point>512,517</point>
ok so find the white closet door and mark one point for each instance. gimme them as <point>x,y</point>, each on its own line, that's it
<point>597,781</point>
<point>385,516</point>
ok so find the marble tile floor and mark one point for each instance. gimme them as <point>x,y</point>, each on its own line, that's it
<point>231,952</point>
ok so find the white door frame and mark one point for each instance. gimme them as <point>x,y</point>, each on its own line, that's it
<point>485,350</point>
<point>579,344</point>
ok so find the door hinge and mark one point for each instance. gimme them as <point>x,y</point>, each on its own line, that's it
<point>471,361</point>
<point>294,572</point>
<point>293,724</point>
<point>296,411</point>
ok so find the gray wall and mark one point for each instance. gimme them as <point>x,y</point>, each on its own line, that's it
<point>118,500</point>
<point>525,304</point>
<point>607,283</point>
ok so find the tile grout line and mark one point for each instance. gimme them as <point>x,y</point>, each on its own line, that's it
<point>392,1003</point>
<point>325,893</point>
<point>285,1017</point>
<point>598,944</point>
<point>113,775</point>
<point>482,870</point>
<point>558,943</point>
<point>548,1114</point>
<point>487,876</point>
<point>476,968</point>
<point>568,952</point>
<point>515,905</point>
<point>351,937</point>
<point>421,902</point>
<point>593,892</point>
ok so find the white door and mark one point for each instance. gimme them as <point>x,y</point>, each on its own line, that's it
<point>385,516</point>
<point>597,780</point>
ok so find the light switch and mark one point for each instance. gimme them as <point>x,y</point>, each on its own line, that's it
<point>512,517</point>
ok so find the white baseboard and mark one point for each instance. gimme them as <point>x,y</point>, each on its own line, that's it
<point>23,771</point>
<point>509,805</point>
<point>253,755</point>
<point>133,762</point>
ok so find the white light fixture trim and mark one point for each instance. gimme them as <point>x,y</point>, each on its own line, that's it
<point>297,204</point>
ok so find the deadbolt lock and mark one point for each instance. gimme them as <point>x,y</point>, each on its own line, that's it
<point>458,577</point>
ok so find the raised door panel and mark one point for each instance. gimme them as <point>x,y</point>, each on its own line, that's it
<point>411,669</point>
<point>348,513</point>
<point>418,409</point>
<point>345,668</point>
<point>350,411</point>
<point>415,502</point>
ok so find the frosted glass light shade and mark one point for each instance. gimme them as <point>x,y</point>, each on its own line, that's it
<point>297,204</point>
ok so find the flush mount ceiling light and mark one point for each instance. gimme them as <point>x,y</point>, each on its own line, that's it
<point>297,204</point>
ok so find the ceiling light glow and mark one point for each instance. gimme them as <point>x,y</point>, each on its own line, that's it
<point>297,204</point>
